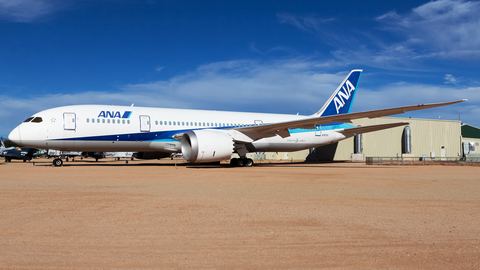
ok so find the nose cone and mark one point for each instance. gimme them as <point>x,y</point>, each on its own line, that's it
<point>14,136</point>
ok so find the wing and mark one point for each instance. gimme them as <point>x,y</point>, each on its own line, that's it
<point>281,128</point>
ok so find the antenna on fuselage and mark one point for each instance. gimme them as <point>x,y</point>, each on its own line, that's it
<point>132,104</point>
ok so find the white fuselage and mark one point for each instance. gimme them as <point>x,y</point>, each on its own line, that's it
<point>136,129</point>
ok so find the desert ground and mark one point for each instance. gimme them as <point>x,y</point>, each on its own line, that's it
<point>168,214</point>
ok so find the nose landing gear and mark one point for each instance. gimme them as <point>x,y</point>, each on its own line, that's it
<point>57,162</point>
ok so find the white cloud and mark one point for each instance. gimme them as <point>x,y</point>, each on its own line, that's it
<point>444,28</point>
<point>30,10</point>
<point>450,79</point>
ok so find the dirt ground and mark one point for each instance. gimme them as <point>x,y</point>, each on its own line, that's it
<point>155,214</point>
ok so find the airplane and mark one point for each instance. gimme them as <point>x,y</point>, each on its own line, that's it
<point>72,154</point>
<point>24,153</point>
<point>118,155</point>
<point>201,136</point>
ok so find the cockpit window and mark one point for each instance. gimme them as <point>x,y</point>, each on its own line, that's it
<point>28,119</point>
<point>37,120</point>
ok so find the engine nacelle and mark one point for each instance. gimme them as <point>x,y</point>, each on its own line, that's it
<point>206,146</point>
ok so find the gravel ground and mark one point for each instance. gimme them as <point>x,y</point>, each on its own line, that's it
<point>167,214</point>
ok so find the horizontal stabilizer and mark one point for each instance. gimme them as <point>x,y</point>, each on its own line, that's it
<point>366,129</point>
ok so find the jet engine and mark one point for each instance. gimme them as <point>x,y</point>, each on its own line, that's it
<point>206,146</point>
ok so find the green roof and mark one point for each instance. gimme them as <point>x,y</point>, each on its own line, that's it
<point>470,132</point>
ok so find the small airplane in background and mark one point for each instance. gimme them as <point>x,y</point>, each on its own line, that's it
<point>74,154</point>
<point>24,153</point>
<point>201,136</point>
<point>119,155</point>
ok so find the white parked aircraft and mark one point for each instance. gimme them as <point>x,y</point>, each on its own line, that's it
<point>201,136</point>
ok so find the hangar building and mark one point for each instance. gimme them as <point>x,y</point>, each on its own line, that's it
<point>421,138</point>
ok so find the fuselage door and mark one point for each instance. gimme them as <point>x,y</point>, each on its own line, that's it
<point>144,123</point>
<point>69,122</point>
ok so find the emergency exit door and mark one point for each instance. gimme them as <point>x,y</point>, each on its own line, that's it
<point>69,122</point>
<point>144,123</point>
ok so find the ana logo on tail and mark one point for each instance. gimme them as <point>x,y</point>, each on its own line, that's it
<point>340,98</point>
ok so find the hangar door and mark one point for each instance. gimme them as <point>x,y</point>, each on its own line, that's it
<point>144,123</point>
<point>69,121</point>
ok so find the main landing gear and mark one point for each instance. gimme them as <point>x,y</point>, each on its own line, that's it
<point>241,162</point>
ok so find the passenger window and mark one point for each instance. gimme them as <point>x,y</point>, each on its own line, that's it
<point>174,123</point>
<point>103,121</point>
<point>178,123</point>
<point>118,121</point>
<point>123,121</point>
<point>98,120</point>
<point>88,120</point>
<point>128,121</point>
<point>161,122</point>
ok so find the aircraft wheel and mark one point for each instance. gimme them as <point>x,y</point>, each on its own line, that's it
<point>233,162</point>
<point>24,160</point>
<point>240,162</point>
<point>57,162</point>
<point>248,162</point>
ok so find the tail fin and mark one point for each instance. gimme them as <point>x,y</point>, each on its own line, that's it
<point>342,99</point>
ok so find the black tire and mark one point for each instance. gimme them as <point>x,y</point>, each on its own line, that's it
<point>234,162</point>
<point>248,162</point>
<point>240,162</point>
<point>57,162</point>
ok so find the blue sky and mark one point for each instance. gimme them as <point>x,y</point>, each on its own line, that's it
<point>258,56</point>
